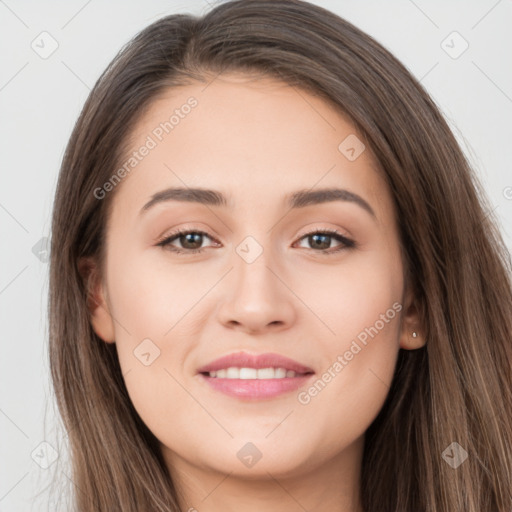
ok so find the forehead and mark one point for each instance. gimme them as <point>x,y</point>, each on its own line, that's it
<point>253,139</point>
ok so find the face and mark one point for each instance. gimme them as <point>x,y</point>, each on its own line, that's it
<point>316,278</point>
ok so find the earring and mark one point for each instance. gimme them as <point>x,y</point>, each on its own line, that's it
<point>414,334</point>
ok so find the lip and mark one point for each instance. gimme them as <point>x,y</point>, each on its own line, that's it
<point>255,389</point>
<point>246,360</point>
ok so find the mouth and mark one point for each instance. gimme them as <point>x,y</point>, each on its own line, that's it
<point>253,373</point>
<point>255,377</point>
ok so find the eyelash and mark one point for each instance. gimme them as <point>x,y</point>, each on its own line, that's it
<point>347,243</point>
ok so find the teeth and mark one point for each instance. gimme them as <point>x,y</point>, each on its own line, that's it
<point>252,373</point>
<point>233,373</point>
<point>244,373</point>
<point>266,373</point>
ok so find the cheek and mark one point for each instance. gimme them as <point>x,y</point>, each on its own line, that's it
<point>351,297</point>
<point>361,305</point>
<point>157,314</point>
<point>147,307</point>
<point>153,299</point>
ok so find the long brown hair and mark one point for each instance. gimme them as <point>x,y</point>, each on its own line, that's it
<point>458,388</point>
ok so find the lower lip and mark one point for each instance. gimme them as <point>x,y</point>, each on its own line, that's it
<point>256,388</point>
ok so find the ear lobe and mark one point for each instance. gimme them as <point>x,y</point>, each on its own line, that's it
<point>97,306</point>
<point>412,334</point>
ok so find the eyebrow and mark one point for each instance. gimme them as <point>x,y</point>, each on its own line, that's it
<point>298,199</point>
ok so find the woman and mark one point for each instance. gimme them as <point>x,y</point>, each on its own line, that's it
<point>275,281</point>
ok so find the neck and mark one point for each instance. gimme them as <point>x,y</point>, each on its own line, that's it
<point>332,486</point>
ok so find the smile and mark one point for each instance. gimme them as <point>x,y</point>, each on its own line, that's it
<point>253,373</point>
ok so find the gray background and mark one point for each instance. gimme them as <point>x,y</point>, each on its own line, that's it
<point>40,99</point>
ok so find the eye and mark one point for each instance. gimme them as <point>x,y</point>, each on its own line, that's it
<point>190,241</point>
<point>320,241</point>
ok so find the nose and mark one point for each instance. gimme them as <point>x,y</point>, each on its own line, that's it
<point>255,297</point>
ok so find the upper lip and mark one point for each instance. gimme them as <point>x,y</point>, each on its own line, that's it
<point>245,360</point>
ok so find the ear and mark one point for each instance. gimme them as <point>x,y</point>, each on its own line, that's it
<point>97,305</point>
<point>412,333</point>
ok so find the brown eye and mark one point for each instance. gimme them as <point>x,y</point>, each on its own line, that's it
<point>320,241</point>
<point>190,241</point>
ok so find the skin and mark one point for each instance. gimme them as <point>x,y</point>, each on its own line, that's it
<point>255,140</point>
